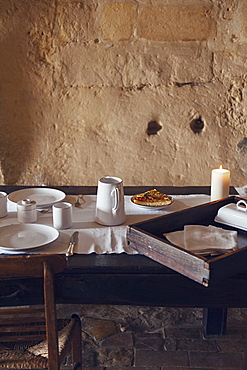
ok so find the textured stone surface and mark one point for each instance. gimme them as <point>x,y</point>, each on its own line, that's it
<point>161,358</point>
<point>99,329</point>
<point>218,360</point>
<point>177,23</point>
<point>119,21</point>
<point>81,80</point>
<point>177,343</point>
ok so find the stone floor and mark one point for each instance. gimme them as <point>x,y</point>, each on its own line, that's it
<point>157,338</point>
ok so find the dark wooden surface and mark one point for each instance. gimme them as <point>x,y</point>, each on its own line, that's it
<point>129,279</point>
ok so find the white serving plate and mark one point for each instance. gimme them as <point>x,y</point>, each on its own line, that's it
<point>26,236</point>
<point>44,197</point>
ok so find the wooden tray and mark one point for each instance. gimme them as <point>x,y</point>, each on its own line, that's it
<point>147,238</point>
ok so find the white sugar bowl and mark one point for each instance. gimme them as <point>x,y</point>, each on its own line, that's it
<point>26,211</point>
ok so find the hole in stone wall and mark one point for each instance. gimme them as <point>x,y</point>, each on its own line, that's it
<point>153,127</point>
<point>197,125</point>
<point>242,145</point>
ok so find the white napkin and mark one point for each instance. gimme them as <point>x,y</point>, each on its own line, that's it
<point>202,239</point>
<point>242,191</point>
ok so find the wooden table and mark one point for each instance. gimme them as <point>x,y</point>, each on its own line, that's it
<point>133,279</point>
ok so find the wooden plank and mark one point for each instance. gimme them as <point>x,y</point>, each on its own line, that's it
<point>171,290</point>
<point>175,258</point>
<point>30,265</point>
<point>51,318</point>
<point>18,338</point>
<point>23,329</point>
<point>22,311</point>
<point>162,290</point>
<point>19,320</point>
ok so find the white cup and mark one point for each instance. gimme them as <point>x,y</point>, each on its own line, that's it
<point>110,201</point>
<point>3,204</point>
<point>62,215</point>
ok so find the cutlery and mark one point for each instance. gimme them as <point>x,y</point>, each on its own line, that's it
<point>44,210</point>
<point>79,200</point>
<point>73,241</point>
<point>212,251</point>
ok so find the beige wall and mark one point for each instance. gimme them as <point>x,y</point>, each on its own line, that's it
<point>81,80</point>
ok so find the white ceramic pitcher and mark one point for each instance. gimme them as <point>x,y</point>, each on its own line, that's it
<point>110,201</point>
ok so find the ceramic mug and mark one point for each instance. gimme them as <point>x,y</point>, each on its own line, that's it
<point>62,215</point>
<point>110,201</point>
<point>3,204</point>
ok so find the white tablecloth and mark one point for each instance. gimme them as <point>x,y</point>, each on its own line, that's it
<point>94,238</point>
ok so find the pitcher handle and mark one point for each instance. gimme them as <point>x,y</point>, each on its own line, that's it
<point>117,199</point>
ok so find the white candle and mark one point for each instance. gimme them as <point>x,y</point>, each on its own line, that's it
<point>220,182</point>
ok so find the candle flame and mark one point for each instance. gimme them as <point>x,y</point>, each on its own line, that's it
<point>221,167</point>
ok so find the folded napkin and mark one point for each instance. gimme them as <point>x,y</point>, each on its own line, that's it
<point>204,239</point>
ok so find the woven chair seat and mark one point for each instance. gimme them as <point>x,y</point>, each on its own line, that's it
<point>22,355</point>
<point>31,336</point>
<point>21,359</point>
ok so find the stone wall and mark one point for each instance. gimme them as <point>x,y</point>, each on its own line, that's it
<point>153,91</point>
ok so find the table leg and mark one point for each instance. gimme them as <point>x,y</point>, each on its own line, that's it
<point>214,321</point>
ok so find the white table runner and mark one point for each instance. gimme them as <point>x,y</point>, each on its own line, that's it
<point>94,238</point>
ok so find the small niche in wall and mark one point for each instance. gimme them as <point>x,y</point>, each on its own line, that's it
<point>153,128</point>
<point>198,125</point>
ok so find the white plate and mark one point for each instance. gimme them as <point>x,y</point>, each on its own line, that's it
<point>44,197</point>
<point>26,236</point>
<point>151,207</point>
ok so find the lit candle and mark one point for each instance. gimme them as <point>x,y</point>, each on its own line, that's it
<point>220,181</point>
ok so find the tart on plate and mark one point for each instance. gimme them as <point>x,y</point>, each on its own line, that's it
<point>152,198</point>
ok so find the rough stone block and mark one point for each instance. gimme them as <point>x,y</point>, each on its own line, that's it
<point>161,358</point>
<point>119,340</point>
<point>99,329</point>
<point>191,64</point>
<point>216,360</point>
<point>118,21</point>
<point>99,65</point>
<point>115,357</point>
<point>149,341</point>
<point>77,20</point>
<point>243,12</point>
<point>193,333</point>
<point>177,23</point>
<point>231,345</point>
<point>188,344</point>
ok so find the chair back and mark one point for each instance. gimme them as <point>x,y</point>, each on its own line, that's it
<point>38,266</point>
<point>30,265</point>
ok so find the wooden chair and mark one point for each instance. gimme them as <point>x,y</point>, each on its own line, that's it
<point>27,325</point>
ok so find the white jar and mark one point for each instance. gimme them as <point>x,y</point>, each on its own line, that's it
<point>26,211</point>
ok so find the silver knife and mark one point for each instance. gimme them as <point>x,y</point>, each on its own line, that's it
<point>73,241</point>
